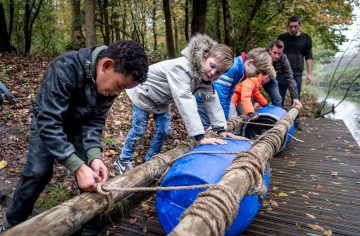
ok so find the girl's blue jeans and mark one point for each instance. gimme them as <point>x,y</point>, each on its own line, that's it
<point>138,130</point>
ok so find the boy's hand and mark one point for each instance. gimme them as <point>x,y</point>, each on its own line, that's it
<point>100,169</point>
<point>214,141</point>
<point>297,103</point>
<point>252,116</point>
<point>87,178</point>
<point>229,135</point>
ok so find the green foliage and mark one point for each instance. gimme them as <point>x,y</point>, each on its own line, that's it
<point>256,23</point>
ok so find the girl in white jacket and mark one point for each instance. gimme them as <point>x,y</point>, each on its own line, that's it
<point>178,81</point>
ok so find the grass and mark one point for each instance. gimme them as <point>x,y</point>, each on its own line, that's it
<point>53,196</point>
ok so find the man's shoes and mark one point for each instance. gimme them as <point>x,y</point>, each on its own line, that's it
<point>298,125</point>
<point>123,166</point>
<point>2,229</point>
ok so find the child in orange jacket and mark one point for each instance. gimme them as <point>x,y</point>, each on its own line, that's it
<point>258,71</point>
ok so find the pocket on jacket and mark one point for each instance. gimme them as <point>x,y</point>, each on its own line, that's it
<point>157,97</point>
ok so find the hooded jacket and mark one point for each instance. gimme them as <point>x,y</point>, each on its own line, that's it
<point>68,103</point>
<point>179,81</point>
<point>247,89</point>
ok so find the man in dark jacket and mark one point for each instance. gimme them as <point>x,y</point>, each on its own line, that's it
<point>284,77</point>
<point>298,46</point>
<point>69,115</point>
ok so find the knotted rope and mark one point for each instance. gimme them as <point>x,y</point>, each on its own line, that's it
<point>219,217</point>
<point>223,200</point>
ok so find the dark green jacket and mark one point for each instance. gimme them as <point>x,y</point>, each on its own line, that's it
<point>68,104</point>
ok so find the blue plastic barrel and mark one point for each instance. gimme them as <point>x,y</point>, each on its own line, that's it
<point>267,115</point>
<point>198,169</point>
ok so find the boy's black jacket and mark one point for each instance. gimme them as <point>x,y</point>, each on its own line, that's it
<point>68,104</point>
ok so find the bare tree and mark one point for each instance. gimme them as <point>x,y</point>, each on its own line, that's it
<point>90,22</point>
<point>104,19</point>
<point>77,37</point>
<point>168,29</point>
<point>29,20</point>
<point>186,28</point>
<point>228,24</point>
<point>154,25</point>
<point>198,21</point>
<point>5,45</point>
<point>216,35</point>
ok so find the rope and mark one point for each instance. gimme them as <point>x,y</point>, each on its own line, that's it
<point>219,216</point>
<point>224,205</point>
<point>223,200</point>
<point>107,190</point>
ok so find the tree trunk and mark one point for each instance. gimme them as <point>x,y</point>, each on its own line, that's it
<point>4,37</point>
<point>168,29</point>
<point>238,180</point>
<point>216,35</point>
<point>124,17</point>
<point>77,37</point>
<point>154,25</point>
<point>116,19</point>
<point>228,24</point>
<point>176,34</point>
<point>11,20</point>
<point>104,20</point>
<point>198,21</point>
<point>29,22</point>
<point>186,24</point>
<point>71,214</point>
<point>90,23</point>
<point>245,34</point>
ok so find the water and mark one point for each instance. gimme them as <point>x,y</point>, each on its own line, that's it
<point>348,111</point>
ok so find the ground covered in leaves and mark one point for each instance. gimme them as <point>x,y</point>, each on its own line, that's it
<point>23,75</point>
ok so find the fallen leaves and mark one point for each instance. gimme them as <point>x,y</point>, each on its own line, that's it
<point>282,194</point>
<point>291,163</point>
<point>310,216</point>
<point>3,164</point>
<point>334,173</point>
<point>325,232</point>
<point>273,203</point>
<point>133,220</point>
<point>314,193</point>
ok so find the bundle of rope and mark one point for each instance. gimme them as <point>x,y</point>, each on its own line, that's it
<point>219,204</point>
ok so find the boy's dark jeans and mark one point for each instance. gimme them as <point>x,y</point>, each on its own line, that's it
<point>36,174</point>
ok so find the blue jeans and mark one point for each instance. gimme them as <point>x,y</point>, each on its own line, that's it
<point>272,88</point>
<point>203,115</point>
<point>36,174</point>
<point>138,129</point>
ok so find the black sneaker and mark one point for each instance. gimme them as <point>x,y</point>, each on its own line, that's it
<point>298,125</point>
<point>123,166</point>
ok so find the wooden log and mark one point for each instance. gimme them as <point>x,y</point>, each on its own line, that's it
<point>238,180</point>
<point>69,216</point>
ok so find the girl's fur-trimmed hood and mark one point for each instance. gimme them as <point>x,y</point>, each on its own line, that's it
<point>194,52</point>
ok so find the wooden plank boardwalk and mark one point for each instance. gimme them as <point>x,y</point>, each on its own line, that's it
<point>321,178</point>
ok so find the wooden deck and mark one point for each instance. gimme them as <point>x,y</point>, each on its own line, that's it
<point>321,178</point>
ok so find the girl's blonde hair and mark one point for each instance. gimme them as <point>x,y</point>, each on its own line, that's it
<point>262,61</point>
<point>223,55</point>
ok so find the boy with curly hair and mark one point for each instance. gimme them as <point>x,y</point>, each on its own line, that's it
<point>69,115</point>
